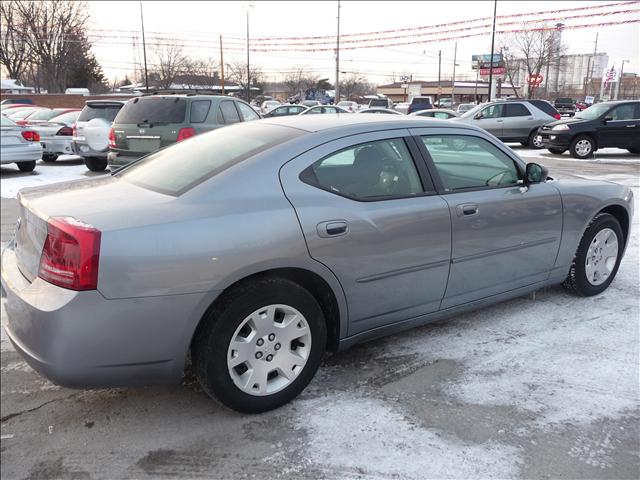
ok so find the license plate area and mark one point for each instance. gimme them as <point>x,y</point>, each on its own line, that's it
<point>143,144</point>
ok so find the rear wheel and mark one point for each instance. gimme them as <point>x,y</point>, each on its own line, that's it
<point>557,151</point>
<point>27,166</point>
<point>535,140</point>
<point>597,258</point>
<point>49,158</point>
<point>582,147</point>
<point>95,164</point>
<point>260,345</point>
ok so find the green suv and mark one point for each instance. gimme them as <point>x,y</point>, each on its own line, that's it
<point>146,124</point>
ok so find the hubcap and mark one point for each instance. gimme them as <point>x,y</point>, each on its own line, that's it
<point>601,256</point>
<point>269,349</point>
<point>537,141</point>
<point>583,147</point>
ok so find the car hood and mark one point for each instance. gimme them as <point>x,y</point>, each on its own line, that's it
<point>567,121</point>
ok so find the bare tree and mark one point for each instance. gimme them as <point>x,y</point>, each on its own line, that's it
<point>237,73</point>
<point>299,80</point>
<point>51,32</point>
<point>355,86</point>
<point>199,73</point>
<point>169,61</point>
<point>15,53</point>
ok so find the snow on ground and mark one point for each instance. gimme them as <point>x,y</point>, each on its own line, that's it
<point>608,155</point>
<point>67,167</point>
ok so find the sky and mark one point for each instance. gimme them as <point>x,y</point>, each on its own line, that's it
<point>199,24</point>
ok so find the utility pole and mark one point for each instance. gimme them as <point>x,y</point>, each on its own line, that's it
<point>475,93</point>
<point>337,89</point>
<point>590,67</point>
<point>453,79</point>
<point>620,79</point>
<point>558,44</point>
<point>144,50</point>
<point>439,87</point>
<point>248,74</point>
<point>221,67</point>
<point>493,38</point>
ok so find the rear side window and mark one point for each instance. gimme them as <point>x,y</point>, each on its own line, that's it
<point>156,110</point>
<point>229,112</point>
<point>516,110</point>
<point>108,112</point>
<point>199,110</point>
<point>180,167</point>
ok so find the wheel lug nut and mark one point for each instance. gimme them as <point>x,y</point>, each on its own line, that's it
<point>277,346</point>
<point>260,342</point>
<point>258,354</point>
<point>269,357</point>
<point>272,337</point>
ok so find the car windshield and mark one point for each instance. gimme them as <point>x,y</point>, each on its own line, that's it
<point>46,114</point>
<point>472,112</point>
<point>564,100</point>
<point>593,112</point>
<point>182,166</point>
<point>155,110</point>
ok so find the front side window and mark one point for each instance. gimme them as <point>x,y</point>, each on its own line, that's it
<point>229,112</point>
<point>492,111</point>
<point>516,110</point>
<point>623,112</point>
<point>369,171</point>
<point>247,112</point>
<point>466,162</point>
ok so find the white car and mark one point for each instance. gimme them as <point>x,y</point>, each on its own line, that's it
<point>19,145</point>
<point>56,135</point>
<point>320,109</point>
<point>380,110</point>
<point>351,107</point>
<point>269,105</point>
<point>402,107</point>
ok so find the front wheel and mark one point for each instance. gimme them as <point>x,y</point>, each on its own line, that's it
<point>557,151</point>
<point>260,345</point>
<point>95,164</point>
<point>535,140</point>
<point>597,258</point>
<point>581,147</point>
<point>27,166</point>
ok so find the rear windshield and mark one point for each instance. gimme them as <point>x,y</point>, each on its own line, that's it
<point>378,103</point>
<point>180,167</point>
<point>108,112</point>
<point>564,100</point>
<point>46,114</point>
<point>5,122</point>
<point>422,101</point>
<point>156,110</point>
<point>68,117</point>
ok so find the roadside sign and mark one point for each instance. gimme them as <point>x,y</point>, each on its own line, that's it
<point>405,85</point>
<point>589,99</point>
<point>484,61</point>
<point>496,71</point>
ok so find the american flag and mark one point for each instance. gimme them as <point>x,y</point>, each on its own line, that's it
<point>610,75</point>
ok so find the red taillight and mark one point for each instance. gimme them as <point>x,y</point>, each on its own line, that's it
<point>71,254</point>
<point>185,133</point>
<point>75,130</point>
<point>31,136</point>
<point>112,139</point>
<point>65,131</point>
<point>557,116</point>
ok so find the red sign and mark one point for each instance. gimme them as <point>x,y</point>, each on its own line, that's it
<point>534,80</point>
<point>496,71</point>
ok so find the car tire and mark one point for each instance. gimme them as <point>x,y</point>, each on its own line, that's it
<point>27,166</point>
<point>49,158</point>
<point>586,274</point>
<point>634,150</point>
<point>229,322</point>
<point>535,140</point>
<point>557,151</point>
<point>95,164</point>
<point>582,147</point>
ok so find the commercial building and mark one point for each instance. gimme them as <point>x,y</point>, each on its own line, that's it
<point>465,91</point>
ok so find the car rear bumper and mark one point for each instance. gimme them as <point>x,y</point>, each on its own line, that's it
<point>56,145</point>
<point>82,339</point>
<point>84,150</point>
<point>117,160</point>
<point>24,152</point>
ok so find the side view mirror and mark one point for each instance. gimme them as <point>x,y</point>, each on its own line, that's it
<point>477,116</point>
<point>607,119</point>
<point>535,173</point>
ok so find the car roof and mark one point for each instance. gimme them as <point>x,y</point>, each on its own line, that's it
<point>318,123</point>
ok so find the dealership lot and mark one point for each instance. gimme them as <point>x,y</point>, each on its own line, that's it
<point>541,386</point>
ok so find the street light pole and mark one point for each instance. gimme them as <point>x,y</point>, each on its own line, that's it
<point>620,79</point>
<point>144,50</point>
<point>248,74</point>
<point>336,98</point>
<point>453,80</point>
<point>439,87</point>
<point>493,37</point>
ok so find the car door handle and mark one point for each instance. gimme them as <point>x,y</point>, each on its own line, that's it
<point>467,209</point>
<point>499,121</point>
<point>631,126</point>
<point>332,228</point>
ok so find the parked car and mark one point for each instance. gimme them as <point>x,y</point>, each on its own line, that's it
<point>320,109</point>
<point>402,107</point>
<point>512,121</point>
<point>5,107</point>
<point>420,103</point>
<point>310,103</point>
<point>582,106</point>
<point>146,124</point>
<point>382,102</point>
<point>285,110</point>
<point>380,110</point>
<point>351,107</point>
<point>465,107</point>
<point>91,135</point>
<point>445,102</point>
<point>253,249</point>
<point>47,114</point>
<point>435,113</point>
<point>20,115</point>
<point>268,105</point>
<point>56,135</point>
<point>607,124</point>
<point>16,101</point>
<point>565,106</point>
<point>19,145</point>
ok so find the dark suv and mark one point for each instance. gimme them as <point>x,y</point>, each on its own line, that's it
<point>607,124</point>
<point>146,124</point>
<point>565,106</point>
<point>420,103</point>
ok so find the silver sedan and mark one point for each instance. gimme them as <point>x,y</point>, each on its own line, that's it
<point>19,145</point>
<point>251,250</point>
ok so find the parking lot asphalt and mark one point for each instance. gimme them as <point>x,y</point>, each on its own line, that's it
<point>544,386</point>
